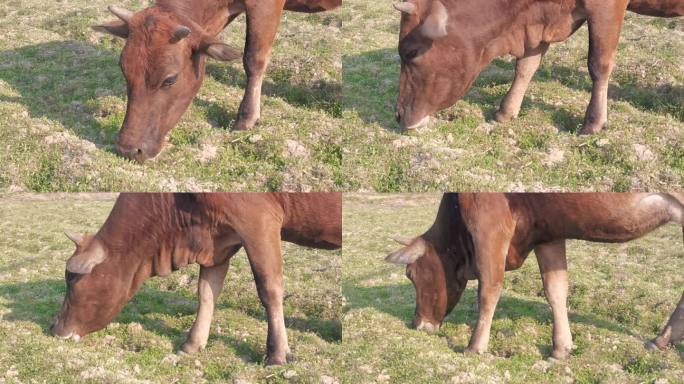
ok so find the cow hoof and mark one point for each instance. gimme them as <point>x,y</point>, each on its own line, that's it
<point>276,360</point>
<point>189,348</point>
<point>653,345</point>
<point>473,351</point>
<point>590,129</point>
<point>560,354</point>
<point>244,125</point>
<point>502,117</point>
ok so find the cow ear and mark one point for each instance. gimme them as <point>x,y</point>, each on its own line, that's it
<point>405,7</point>
<point>409,254</point>
<point>84,261</point>
<point>435,24</point>
<point>220,51</point>
<point>77,238</point>
<point>117,28</point>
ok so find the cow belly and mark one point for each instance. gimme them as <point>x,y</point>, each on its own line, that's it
<point>563,26</point>
<point>660,8</point>
<point>637,217</point>
<point>311,5</point>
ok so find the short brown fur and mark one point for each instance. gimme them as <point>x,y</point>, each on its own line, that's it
<point>482,235</point>
<point>436,71</point>
<point>154,53</point>
<point>154,234</point>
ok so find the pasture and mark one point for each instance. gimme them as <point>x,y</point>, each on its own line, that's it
<point>620,296</point>
<point>62,102</point>
<point>140,345</point>
<point>462,149</point>
<point>328,113</point>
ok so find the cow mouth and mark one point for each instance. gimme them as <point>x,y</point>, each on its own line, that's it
<point>136,154</point>
<point>426,326</point>
<point>420,124</point>
<point>71,336</point>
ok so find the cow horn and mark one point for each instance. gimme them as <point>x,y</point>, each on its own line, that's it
<point>181,32</point>
<point>409,254</point>
<point>77,238</point>
<point>435,25</point>
<point>84,262</point>
<point>122,13</point>
<point>405,7</point>
<point>402,241</point>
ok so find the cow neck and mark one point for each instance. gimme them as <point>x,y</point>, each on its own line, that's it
<point>492,37</point>
<point>153,235</point>
<point>210,15</point>
<point>448,234</point>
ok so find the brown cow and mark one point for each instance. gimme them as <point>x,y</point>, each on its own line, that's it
<point>444,44</point>
<point>164,59</point>
<point>481,235</point>
<point>154,234</point>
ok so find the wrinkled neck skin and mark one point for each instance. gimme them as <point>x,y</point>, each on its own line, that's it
<point>467,51</point>
<point>453,247</point>
<point>152,235</point>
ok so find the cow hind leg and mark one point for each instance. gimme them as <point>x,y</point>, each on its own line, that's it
<point>673,331</point>
<point>267,266</point>
<point>525,67</point>
<point>554,270</point>
<point>262,24</point>
<point>209,288</point>
<point>605,24</point>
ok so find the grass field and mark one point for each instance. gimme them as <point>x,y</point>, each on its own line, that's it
<point>462,150</point>
<point>62,102</point>
<point>140,345</point>
<point>621,295</point>
<point>328,113</point>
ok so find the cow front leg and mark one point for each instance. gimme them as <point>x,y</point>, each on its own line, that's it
<point>673,331</point>
<point>209,288</point>
<point>491,266</point>
<point>262,24</point>
<point>525,67</point>
<point>554,270</point>
<point>605,24</point>
<point>267,266</point>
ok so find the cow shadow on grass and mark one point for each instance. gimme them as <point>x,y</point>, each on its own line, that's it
<point>371,86</point>
<point>398,300</point>
<point>65,81</point>
<point>321,95</point>
<point>40,301</point>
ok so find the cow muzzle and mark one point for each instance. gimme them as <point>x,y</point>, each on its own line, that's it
<point>426,326</point>
<point>405,120</point>
<point>57,330</point>
<point>138,153</point>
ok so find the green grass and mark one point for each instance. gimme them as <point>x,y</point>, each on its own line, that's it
<point>140,344</point>
<point>463,150</point>
<point>621,295</point>
<point>62,102</point>
<point>330,90</point>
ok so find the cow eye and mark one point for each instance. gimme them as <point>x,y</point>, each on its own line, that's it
<point>169,81</point>
<point>411,55</point>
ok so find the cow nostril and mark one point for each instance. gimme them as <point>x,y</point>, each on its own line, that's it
<point>139,151</point>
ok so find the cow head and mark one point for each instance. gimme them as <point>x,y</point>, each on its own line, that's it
<point>436,70</point>
<point>163,62</point>
<point>439,279</point>
<point>93,298</point>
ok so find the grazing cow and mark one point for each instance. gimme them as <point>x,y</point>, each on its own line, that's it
<point>481,235</point>
<point>164,57</point>
<point>154,234</point>
<point>444,44</point>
